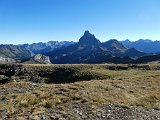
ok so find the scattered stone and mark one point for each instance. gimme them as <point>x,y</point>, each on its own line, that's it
<point>54,117</point>
<point>36,117</point>
<point>4,79</point>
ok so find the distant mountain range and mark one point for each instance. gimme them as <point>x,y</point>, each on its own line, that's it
<point>90,50</point>
<point>42,48</point>
<point>87,50</point>
<point>147,46</point>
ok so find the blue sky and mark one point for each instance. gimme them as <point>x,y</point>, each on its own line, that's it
<point>28,21</point>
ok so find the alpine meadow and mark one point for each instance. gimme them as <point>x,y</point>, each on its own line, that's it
<point>79,60</point>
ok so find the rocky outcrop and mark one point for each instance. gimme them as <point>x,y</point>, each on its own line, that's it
<point>3,79</point>
<point>7,60</point>
<point>39,59</point>
<point>42,58</point>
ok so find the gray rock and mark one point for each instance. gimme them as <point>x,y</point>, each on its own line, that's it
<point>6,60</point>
<point>4,79</point>
<point>39,59</point>
<point>43,58</point>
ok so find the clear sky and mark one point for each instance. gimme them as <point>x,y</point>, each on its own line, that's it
<point>28,21</point>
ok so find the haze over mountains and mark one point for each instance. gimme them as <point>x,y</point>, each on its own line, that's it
<point>87,50</point>
<point>146,45</point>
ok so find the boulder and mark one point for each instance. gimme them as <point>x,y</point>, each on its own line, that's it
<point>4,79</point>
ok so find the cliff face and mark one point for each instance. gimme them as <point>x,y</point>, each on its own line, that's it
<point>41,58</point>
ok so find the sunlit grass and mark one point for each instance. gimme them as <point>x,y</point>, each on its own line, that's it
<point>133,87</point>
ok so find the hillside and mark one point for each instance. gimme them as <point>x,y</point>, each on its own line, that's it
<point>90,50</point>
<point>14,52</point>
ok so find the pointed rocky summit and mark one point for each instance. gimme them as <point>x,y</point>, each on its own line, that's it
<point>88,39</point>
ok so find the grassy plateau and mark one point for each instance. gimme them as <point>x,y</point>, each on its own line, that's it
<point>77,91</point>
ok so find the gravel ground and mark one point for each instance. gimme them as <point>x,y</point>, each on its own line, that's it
<point>80,111</point>
<point>109,112</point>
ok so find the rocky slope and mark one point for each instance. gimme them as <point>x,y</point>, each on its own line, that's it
<point>14,52</point>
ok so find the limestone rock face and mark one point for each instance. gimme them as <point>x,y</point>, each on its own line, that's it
<point>6,60</point>
<point>41,59</point>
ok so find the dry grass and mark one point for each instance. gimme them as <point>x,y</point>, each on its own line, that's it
<point>131,87</point>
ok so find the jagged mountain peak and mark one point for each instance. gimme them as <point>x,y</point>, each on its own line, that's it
<point>87,33</point>
<point>88,39</point>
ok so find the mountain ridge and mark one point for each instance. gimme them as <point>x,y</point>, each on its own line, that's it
<point>15,52</point>
<point>44,47</point>
<point>90,50</point>
<point>146,45</point>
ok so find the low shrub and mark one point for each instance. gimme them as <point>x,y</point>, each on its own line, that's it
<point>71,74</point>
